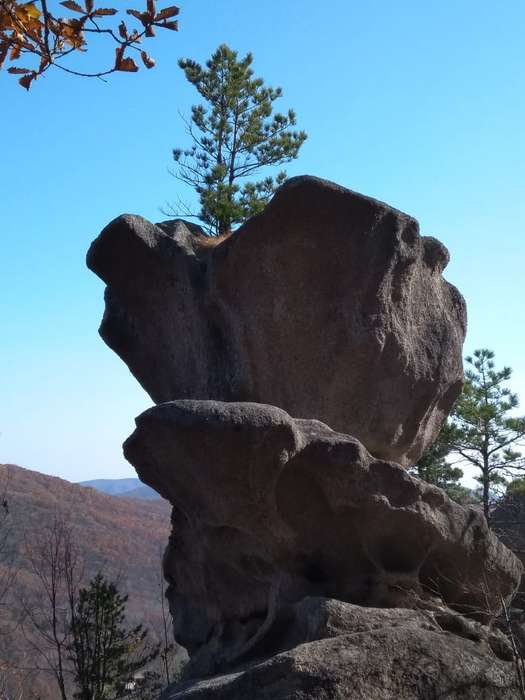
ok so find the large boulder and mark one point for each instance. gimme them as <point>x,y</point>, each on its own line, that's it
<point>345,651</point>
<point>269,510</point>
<point>329,305</point>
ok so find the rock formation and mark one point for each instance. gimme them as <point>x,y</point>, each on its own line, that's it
<point>268,510</point>
<point>353,653</point>
<point>329,305</point>
<point>304,561</point>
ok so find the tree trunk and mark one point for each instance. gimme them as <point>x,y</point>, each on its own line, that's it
<point>486,488</point>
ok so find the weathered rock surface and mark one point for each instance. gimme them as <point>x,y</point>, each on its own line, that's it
<point>366,654</point>
<point>329,305</point>
<point>269,510</point>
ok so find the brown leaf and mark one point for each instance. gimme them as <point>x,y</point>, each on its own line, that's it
<point>119,53</point>
<point>128,65</point>
<point>72,33</point>
<point>123,30</point>
<point>76,24</point>
<point>16,50</point>
<point>28,9</point>
<point>138,15</point>
<point>33,29</point>
<point>18,71</point>
<point>73,6</point>
<point>105,11</point>
<point>174,26</point>
<point>149,30</point>
<point>27,80</point>
<point>89,5</point>
<point>151,8</point>
<point>147,60</point>
<point>6,21</point>
<point>166,13</point>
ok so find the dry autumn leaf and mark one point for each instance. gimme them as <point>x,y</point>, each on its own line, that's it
<point>15,52</point>
<point>128,65</point>
<point>73,6</point>
<point>72,33</point>
<point>5,21</point>
<point>27,80</point>
<point>29,9</point>
<point>141,16</point>
<point>32,29</point>
<point>166,13</point>
<point>119,54</point>
<point>170,25</point>
<point>147,60</point>
<point>105,11</point>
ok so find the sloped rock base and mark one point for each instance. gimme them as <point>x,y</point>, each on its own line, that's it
<point>402,654</point>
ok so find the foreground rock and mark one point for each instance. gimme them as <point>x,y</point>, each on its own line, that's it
<point>367,654</point>
<point>269,510</point>
<point>329,305</point>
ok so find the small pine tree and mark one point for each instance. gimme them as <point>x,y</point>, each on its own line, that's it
<point>105,654</point>
<point>233,136</point>
<point>483,433</point>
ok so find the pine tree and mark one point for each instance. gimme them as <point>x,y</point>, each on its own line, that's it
<point>233,136</point>
<point>516,487</point>
<point>105,654</point>
<point>483,433</point>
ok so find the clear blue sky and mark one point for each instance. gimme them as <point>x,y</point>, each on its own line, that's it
<point>418,104</point>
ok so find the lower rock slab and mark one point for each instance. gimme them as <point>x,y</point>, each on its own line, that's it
<point>403,660</point>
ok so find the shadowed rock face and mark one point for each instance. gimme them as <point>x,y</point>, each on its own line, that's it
<point>269,510</point>
<point>329,305</point>
<point>348,652</point>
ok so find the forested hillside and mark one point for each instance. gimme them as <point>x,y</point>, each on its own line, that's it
<point>122,537</point>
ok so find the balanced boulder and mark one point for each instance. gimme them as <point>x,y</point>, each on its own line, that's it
<point>329,305</point>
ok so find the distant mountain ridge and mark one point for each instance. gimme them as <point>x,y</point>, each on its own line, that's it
<point>130,488</point>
